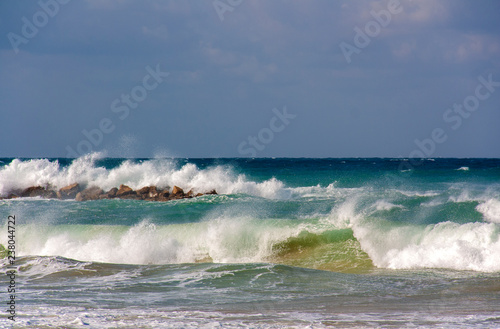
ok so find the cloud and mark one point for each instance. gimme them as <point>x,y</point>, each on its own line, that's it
<point>218,56</point>
<point>425,12</point>
<point>252,69</point>
<point>473,47</point>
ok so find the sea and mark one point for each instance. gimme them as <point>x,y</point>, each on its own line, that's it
<point>286,243</point>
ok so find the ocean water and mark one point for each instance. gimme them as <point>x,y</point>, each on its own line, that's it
<point>287,243</point>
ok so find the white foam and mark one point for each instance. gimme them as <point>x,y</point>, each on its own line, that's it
<point>417,193</point>
<point>222,240</point>
<point>463,168</point>
<point>40,267</point>
<point>464,196</point>
<point>344,214</point>
<point>433,203</point>
<point>490,210</point>
<point>384,205</point>
<point>267,314</point>
<point>471,246</point>
<point>160,172</point>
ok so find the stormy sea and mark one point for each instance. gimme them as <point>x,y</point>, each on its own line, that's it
<point>285,243</point>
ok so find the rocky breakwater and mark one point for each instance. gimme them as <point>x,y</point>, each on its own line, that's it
<point>77,192</point>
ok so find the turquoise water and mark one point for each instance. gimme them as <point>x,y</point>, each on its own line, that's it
<point>286,243</point>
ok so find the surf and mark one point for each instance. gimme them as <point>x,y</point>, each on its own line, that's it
<point>345,215</point>
<point>87,171</point>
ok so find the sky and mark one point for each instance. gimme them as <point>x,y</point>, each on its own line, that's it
<point>250,78</point>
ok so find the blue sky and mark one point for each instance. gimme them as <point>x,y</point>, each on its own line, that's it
<point>230,78</point>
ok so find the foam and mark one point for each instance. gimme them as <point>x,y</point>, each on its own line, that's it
<point>417,193</point>
<point>38,267</point>
<point>19,175</point>
<point>384,205</point>
<point>160,172</point>
<point>221,240</point>
<point>471,246</point>
<point>42,316</point>
<point>490,210</point>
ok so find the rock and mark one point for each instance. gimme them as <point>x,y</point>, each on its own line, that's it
<point>148,192</point>
<point>111,193</point>
<point>163,195</point>
<point>50,194</point>
<point>123,191</point>
<point>91,193</point>
<point>32,191</point>
<point>176,190</point>
<point>144,190</point>
<point>132,196</point>
<point>69,192</point>
<point>38,191</point>
<point>177,193</point>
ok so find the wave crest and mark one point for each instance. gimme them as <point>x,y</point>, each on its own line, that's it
<point>20,174</point>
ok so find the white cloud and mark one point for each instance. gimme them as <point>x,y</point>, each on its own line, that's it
<point>218,56</point>
<point>425,11</point>
<point>251,68</point>
<point>472,47</point>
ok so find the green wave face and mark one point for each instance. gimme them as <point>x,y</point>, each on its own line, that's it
<point>333,250</point>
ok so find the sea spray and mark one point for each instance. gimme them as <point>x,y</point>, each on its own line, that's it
<point>282,211</point>
<point>287,242</point>
<point>19,175</point>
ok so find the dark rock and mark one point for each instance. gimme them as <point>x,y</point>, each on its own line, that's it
<point>33,191</point>
<point>124,190</point>
<point>15,193</point>
<point>148,192</point>
<point>144,190</point>
<point>38,191</point>
<point>50,194</point>
<point>91,193</point>
<point>163,195</point>
<point>111,193</point>
<point>69,192</point>
<point>132,196</point>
